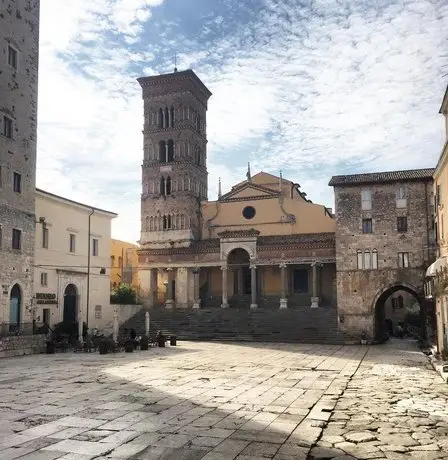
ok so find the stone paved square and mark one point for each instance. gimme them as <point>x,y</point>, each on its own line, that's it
<point>225,401</point>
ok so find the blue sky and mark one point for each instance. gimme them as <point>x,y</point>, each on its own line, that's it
<point>310,87</point>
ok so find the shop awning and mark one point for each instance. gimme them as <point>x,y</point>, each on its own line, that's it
<point>437,265</point>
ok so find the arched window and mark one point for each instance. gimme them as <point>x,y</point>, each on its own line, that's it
<point>160,118</point>
<point>182,221</point>
<point>169,222</point>
<point>120,262</point>
<point>374,259</point>
<point>162,152</point>
<point>164,223</point>
<point>172,116</point>
<point>112,261</point>
<point>168,185</point>
<point>359,259</point>
<point>162,186</point>
<point>170,151</point>
<point>167,118</point>
<point>367,260</point>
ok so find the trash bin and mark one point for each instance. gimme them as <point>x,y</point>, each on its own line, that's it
<point>173,340</point>
<point>50,348</point>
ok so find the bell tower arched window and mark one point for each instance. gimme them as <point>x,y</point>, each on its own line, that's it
<point>170,151</point>
<point>162,186</point>
<point>168,185</point>
<point>161,118</point>
<point>162,152</point>
<point>167,118</point>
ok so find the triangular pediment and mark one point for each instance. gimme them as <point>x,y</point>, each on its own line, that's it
<point>249,190</point>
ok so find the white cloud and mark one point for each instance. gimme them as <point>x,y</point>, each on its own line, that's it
<point>313,90</point>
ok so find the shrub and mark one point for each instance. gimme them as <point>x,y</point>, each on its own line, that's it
<point>124,294</point>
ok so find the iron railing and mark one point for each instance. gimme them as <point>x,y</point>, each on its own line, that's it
<point>13,329</point>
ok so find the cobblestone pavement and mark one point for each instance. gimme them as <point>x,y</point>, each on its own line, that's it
<point>225,401</point>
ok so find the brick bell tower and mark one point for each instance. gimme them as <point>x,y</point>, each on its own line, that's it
<point>174,171</point>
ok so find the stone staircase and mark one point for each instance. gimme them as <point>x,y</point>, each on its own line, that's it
<point>295,325</point>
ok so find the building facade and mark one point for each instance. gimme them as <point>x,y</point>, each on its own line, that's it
<point>261,244</point>
<point>124,264</point>
<point>384,243</point>
<point>437,273</point>
<point>19,52</point>
<point>71,275</point>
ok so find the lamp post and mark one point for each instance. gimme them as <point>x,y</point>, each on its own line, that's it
<point>88,268</point>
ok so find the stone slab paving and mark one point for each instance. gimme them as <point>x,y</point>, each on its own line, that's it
<point>216,401</point>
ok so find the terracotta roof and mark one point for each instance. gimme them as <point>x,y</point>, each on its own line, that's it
<point>388,176</point>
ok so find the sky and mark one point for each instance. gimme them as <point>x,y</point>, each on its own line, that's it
<point>313,88</point>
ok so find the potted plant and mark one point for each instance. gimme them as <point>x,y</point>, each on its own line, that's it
<point>363,338</point>
<point>103,346</point>
<point>129,346</point>
<point>144,343</point>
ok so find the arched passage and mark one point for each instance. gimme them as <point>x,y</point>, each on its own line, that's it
<point>393,306</point>
<point>15,307</point>
<point>70,304</point>
<point>238,261</point>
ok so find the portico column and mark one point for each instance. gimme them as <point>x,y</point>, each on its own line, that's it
<point>283,299</point>
<point>224,287</point>
<point>315,298</point>
<point>169,301</point>
<point>253,286</point>
<point>197,299</point>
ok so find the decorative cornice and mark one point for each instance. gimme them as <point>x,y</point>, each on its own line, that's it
<point>238,233</point>
<point>238,188</point>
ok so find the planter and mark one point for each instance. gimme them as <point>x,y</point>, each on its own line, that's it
<point>144,343</point>
<point>103,347</point>
<point>173,340</point>
<point>50,348</point>
<point>129,346</point>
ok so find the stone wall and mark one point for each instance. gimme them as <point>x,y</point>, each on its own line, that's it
<point>19,31</point>
<point>19,345</point>
<point>359,289</point>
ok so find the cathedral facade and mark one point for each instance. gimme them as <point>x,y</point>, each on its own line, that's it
<point>262,244</point>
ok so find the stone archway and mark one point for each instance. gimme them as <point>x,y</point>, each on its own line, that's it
<point>70,313</point>
<point>15,307</point>
<point>381,328</point>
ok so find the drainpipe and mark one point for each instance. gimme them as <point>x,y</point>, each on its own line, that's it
<point>88,268</point>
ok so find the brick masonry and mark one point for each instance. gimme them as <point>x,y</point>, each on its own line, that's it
<point>21,345</point>
<point>359,290</point>
<point>19,29</point>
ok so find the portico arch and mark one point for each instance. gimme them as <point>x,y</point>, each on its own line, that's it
<point>379,309</point>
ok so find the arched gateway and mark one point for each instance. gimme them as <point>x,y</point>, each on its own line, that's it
<point>382,323</point>
<point>70,304</point>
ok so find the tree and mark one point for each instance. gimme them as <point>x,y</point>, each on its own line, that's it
<point>124,294</point>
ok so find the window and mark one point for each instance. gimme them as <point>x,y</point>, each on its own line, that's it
<point>359,260</point>
<point>72,242</point>
<point>401,197</point>
<point>374,259</point>
<point>366,200</point>
<point>94,247</point>
<point>403,259</point>
<point>300,281</point>
<point>16,239</point>
<point>438,196</point>
<point>45,236</point>
<point>367,226</point>
<point>7,127</point>
<point>46,315</point>
<point>43,279</point>
<point>402,224</point>
<point>249,212</point>
<point>112,261</point>
<point>17,182</point>
<point>12,57</point>
<point>367,260</point>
